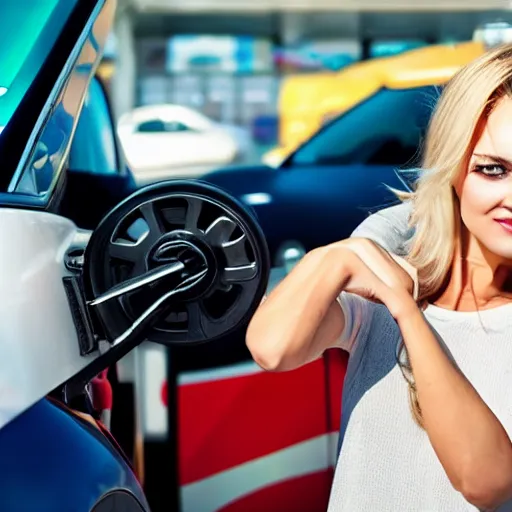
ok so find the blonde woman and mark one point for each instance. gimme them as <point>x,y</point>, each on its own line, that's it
<point>427,399</point>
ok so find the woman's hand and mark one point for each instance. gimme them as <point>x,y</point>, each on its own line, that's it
<point>371,253</point>
<point>377,276</point>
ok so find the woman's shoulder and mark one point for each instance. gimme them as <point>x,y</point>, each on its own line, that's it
<point>389,228</point>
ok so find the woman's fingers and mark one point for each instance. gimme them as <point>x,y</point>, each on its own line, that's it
<point>376,276</point>
<point>391,270</point>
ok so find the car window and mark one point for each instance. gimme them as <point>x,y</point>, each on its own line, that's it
<point>152,126</point>
<point>93,148</point>
<point>38,24</point>
<point>42,89</point>
<point>386,129</point>
<point>176,126</point>
<point>94,145</point>
<point>159,126</point>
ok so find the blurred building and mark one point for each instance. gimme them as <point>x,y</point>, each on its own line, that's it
<point>226,58</point>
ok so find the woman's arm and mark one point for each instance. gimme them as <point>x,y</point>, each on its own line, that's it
<point>300,318</point>
<point>469,440</point>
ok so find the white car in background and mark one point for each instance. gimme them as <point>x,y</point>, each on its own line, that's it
<point>175,138</point>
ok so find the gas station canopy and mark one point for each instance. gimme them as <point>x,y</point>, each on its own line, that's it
<point>319,5</point>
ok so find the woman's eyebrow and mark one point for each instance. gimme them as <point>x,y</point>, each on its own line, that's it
<point>495,158</point>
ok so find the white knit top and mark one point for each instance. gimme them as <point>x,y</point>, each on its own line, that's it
<point>386,462</point>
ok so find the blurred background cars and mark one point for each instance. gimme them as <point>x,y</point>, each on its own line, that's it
<point>179,140</point>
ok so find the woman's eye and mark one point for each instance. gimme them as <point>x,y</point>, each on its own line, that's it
<point>492,170</point>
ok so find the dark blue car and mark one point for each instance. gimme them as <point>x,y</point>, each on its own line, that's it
<point>323,190</point>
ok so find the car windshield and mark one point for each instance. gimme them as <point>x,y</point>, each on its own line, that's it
<point>386,129</point>
<point>30,29</point>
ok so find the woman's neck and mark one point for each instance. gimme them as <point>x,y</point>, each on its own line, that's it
<point>478,279</point>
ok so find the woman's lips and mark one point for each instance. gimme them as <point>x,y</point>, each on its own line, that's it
<point>505,224</point>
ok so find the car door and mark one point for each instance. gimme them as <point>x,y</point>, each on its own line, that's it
<point>54,48</point>
<point>147,145</point>
<point>341,175</point>
<point>97,181</point>
<point>345,172</point>
<point>162,144</point>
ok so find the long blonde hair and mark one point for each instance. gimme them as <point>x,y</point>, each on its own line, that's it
<point>468,98</point>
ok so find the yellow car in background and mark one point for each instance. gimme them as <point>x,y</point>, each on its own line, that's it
<point>307,102</point>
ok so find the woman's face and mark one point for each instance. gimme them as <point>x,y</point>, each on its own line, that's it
<point>485,193</point>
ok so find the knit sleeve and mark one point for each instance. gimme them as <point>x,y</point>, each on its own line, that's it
<point>357,313</point>
<point>389,228</point>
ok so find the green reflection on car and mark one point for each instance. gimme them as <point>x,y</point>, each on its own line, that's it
<point>29,30</point>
